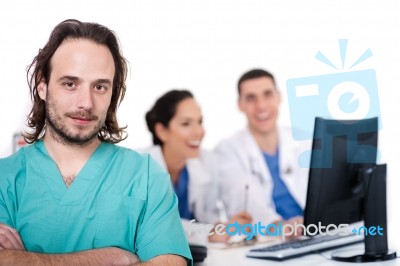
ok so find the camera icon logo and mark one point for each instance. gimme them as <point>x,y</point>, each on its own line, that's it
<point>341,96</point>
<point>346,95</point>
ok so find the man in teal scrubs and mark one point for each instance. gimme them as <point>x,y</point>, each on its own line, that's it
<point>73,197</point>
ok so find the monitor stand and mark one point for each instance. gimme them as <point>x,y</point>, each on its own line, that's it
<point>366,258</point>
<point>375,225</point>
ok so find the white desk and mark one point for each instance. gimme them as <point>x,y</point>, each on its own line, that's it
<point>237,257</point>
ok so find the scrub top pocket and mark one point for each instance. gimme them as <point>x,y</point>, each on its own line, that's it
<point>117,220</point>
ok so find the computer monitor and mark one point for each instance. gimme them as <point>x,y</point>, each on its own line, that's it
<point>346,185</point>
<point>339,149</point>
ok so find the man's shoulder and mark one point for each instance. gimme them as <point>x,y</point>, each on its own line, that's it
<point>136,158</point>
<point>134,170</point>
<point>124,150</point>
<point>285,133</point>
<point>12,166</point>
<point>124,153</point>
<point>14,161</point>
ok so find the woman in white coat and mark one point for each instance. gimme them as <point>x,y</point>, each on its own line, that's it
<point>175,122</point>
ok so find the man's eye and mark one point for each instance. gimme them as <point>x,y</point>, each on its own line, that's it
<point>69,84</point>
<point>101,87</point>
<point>250,99</point>
<point>269,93</point>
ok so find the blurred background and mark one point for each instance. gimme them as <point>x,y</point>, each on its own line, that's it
<point>204,46</point>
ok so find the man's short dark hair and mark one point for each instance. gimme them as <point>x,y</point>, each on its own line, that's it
<point>253,74</point>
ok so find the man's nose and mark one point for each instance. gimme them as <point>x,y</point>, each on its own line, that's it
<point>85,98</point>
<point>261,104</point>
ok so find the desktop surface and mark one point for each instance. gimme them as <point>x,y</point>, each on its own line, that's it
<point>237,257</point>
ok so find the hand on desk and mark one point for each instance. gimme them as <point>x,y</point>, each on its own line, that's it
<point>289,234</point>
<point>297,220</point>
<point>241,218</point>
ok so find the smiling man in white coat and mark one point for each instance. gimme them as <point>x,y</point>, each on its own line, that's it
<point>259,165</point>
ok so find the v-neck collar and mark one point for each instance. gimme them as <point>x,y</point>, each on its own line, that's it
<point>92,169</point>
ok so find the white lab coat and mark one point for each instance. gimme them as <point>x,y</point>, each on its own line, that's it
<point>242,163</point>
<point>202,188</point>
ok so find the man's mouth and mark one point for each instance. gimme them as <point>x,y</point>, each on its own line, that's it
<point>263,116</point>
<point>82,118</point>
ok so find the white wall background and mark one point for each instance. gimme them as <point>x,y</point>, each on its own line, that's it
<point>205,46</point>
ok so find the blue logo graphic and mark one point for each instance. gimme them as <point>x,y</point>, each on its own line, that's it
<point>284,230</point>
<point>346,95</point>
<point>372,231</point>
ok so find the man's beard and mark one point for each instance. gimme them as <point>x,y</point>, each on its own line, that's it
<point>62,134</point>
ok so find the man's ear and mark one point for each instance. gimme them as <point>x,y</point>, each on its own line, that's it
<point>42,89</point>
<point>161,132</point>
<point>240,104</point>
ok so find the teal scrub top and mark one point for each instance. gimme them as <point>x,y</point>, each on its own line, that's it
<point>120,198</point>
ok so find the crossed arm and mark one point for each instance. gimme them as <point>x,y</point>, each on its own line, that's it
<point>12,252</point>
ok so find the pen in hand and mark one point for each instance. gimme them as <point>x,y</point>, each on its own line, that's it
<point>246,197</point>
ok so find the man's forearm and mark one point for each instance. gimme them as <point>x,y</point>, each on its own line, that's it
<point>103,256</point>
<point>165,260</point>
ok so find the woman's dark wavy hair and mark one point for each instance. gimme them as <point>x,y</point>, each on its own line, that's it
<point>164,110</point>
<point>40,69</point>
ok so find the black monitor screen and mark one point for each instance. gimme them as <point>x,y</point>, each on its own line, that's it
<point>339,149</point>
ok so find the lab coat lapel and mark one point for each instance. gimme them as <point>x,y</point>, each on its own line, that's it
<point>289,167</point>
<point>257,164</point>
<point>198,177</point>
